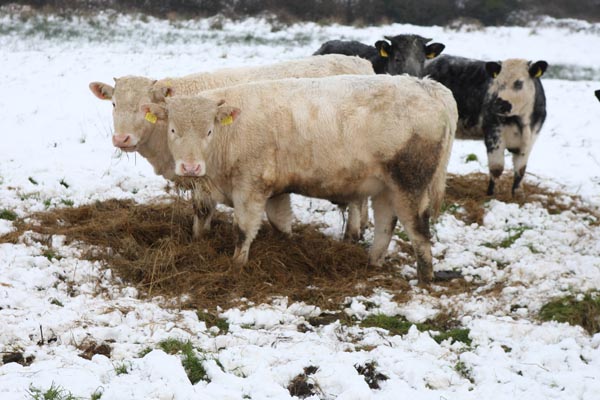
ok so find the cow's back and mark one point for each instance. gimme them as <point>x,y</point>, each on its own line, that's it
<point>309,67</point>
<point>338,128</point>
<point>347,47</point>
<point>468,81</point>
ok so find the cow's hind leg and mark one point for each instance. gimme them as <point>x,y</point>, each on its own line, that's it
<point>385,222</point>
<point>279,213</point>
<point>353,232</point>
<point>414,215</point>
<point>248,213</point>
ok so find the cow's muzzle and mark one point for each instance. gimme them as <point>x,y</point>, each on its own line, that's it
<point>501,106</point>
<point>124,142</point>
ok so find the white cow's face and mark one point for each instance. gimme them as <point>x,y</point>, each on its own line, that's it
<point>130,127</point>
<point>513,86</point>
<point>193,123</point>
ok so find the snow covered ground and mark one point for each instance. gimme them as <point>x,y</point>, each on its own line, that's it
<point>56,150</point>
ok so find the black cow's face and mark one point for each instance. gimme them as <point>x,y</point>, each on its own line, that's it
<point>597,92</point>
<point>406,54</point>
<point>513,87</point>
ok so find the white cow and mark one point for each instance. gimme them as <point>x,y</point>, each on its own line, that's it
<point>135,132</point>
<point>340,138</point>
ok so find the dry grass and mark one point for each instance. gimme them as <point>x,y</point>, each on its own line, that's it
<point>469,191</point>
<point>150,246</point>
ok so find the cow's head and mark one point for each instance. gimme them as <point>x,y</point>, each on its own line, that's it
<point>406,54</point>
<point>513,87</point>
<point>130,128</point>
<point>597,92</point>
<point>192,125</point>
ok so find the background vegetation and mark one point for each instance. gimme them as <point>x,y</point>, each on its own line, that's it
<point>422,12</point>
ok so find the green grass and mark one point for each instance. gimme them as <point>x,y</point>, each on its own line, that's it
<point>67,202</point>
<point>190,361</point>
<point>51,255</point>
<point>55,392</point>
<point>464,371</point>
<point>97,395</point>
<point>585,312</point>
<point>212,320</point>
<point>395,325</point>
<point>514,234</point>
<point>56,302</point>
<point>8,215</point>
<point>471,157</point>
<point>398,325</point>
<point>122,369</point>
<point>401,234</point>
<point>144,351</point>
<point>456,335</point>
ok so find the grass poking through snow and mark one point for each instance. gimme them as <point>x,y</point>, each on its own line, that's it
<point>584,311</point>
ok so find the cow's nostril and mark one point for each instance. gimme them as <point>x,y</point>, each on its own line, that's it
<point>126,139</point>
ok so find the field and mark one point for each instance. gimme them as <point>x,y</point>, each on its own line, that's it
<point>103,293</point>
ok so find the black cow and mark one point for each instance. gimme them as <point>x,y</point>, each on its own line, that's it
<point>597,92</point>
<point>502,103</point>
<point>404,54</point>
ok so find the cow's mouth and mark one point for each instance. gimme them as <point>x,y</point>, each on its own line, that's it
<point>128,149</point>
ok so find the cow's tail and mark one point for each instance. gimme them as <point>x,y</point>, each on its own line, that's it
<point>437,188</point>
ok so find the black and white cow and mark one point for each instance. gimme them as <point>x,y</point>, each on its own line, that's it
<point>597,92</point>
<point>502,103</point>
<point>403,54</point>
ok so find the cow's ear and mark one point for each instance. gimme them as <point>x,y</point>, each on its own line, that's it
<point>493,68</point>
<point>160,91</point>
<point>154,112</point>
<point>538,68</point>
<point>383,48</point>
<point>226,115</point>
<point>433,50</point>
<point>101,90</point>
<point>597,93</point>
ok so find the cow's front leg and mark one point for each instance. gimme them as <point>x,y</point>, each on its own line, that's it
<point>495,152</point>
<point>248,211</point>
<point>204,209</point>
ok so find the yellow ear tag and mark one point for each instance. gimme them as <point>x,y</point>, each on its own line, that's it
<point>495,74</point>
<point>383,53</point>
<point>538,73</point>
<point>150,117</point>
<point>227,120</point>
<point>430,55</point>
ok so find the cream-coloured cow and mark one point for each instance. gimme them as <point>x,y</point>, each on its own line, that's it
<point>339,138</point>
<point>135,132</point>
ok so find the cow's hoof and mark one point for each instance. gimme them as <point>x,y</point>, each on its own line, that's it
<point>446,276</point>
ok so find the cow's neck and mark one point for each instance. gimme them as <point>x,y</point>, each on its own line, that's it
<point>155,149</point>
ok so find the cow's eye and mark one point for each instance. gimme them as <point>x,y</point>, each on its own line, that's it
<point>172,130</point>
<point>114,105</point>
<point>518,85</point>
<point>209,132</point>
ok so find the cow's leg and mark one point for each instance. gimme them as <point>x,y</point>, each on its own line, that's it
<point>364,215</point>
<point>358,219</point>
<point>353,233</point>
<point>204,209</point>
<point>495,152</point>
<point>385,222</point>
<point>279,213</point>
<point>248,211</point>
<point>414,216</point>
<point>519,165</point>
